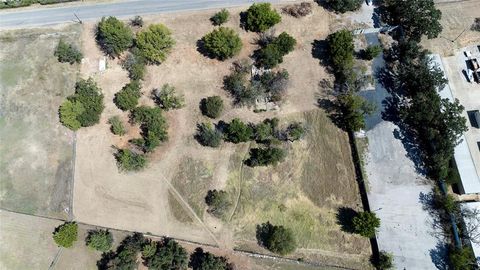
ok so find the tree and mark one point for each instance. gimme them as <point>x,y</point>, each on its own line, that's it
<point>384,261</point>
<point>353,109</point>
<point>69,112</point>
<point>222,43</point>
<point>169,256</point>
<point>134,64</point>
<point>113,36</point>
<point>218,202</point>
<point>263,131</point>
<point>342,6</point>
<point>295,131</point>
<point>149,249</point>
<point>207,135</point>
<point>341,50</point>
<point>200,260</point>
<point>67,53</point>
<point>274,83</point>
<point>265,156</point>
<point>167,99</point>
<point>127,98</point>
<point>476,25</point>
<point>237,131</point>
<point>125,257</point>
<point>220,17</point>
<point>272,53</point>
<point>260,17</point>
<point>155,43</point>
<point>128,160</point>
<point>372,52</point>
<point>462,258</point>
<point>418,18</point>
<point>100,240</point>
<point>212,106</point>
<point>277,239</point>
<point>137,21</point>
<point>117,127</point>
<point>151,121</point>
<point>66,234</point>
<point>366,224</point>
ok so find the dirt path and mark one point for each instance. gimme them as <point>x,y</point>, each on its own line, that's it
<point>240,183</point>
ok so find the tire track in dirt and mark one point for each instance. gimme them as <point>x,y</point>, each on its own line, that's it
<point>240,183</point>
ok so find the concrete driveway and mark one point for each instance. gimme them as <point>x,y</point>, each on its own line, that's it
<point>397,192</point>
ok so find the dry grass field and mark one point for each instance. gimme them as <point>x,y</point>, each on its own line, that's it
<point>303,193</point>
<point>36,151</point>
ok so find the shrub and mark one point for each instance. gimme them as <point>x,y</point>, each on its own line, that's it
<point>153,124</point>
<point>100,240</point>
<point>155,43</point>
<point>113,36</point>
<point>89,95</point>
<point>237,131</point>
<point>127,98</point>
<point>372,52</point>
<point>476,25</point>
<point>220,17</point>
<point>274,83</point>
<point>298,10</point>
<point>169,256</point>
<point>277,239</point>
<point>343,6</point>
<point>137,21</point>
<point>236,84</point>
<point>260,17</point>
<point>130,161</point>
<point>200,260</point>
<point>66,234</point>
<point>149,249</point>
<point>384,261</point>
<point>264,131</point>
<point>222,43</point>
<point>295,131</point>
<point>212,106</point>
<point>218,202</point>
<point>366,224</point>
<point>265,156</point>
<point>134,63</point>
<point>117,127</point>
<point>67,53</point>
<point>207,135</point>
<point>69,112</point>
<point>167,99</point>
<point>272,54</point>
<point>341,50</point>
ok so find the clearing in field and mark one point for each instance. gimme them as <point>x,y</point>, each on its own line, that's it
<point>36,153</point>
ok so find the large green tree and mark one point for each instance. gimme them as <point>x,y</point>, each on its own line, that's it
<point>155,43</point>
<point>67,53</point>
<point>343,6</point>
<point>276,238</point>
<point>237,131</point>
<point>200,260</point>
<point>69,111</point>
<point>208,135</point>
<point>169,256</point>
<point>218,202</point>
<point>222,43</point>
<point>260,17</point>
<point>353,109</point>
<point>100,240</point>
<point>341,50</point>
<point>212,106</point>
<point>366,224</point>
<point>127,98</point>
<point>113,36</point>
<point>66,234</point>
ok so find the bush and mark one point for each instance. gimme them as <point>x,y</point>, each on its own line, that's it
<point>277,239</point>
<point>341,50</point>
<point>130,161</point>
<point>134,63</point>
<point>169,256</point>
<point>274,83</point>
<point>295,131</point>
<point>153,124</point>
<point>155,43</point>
<point>237,131</point>
<point>100,240</point>
<point>137,21</point>
<point>260,17</point>
<point>127,98</point>
<point>298,10</point>
<point>384,261</point>
<point>343,6</point>
<point>167,99</point>
<point>117,127</point>
<point>212,106</point>
<point>69,112</point>
<point>366,224</point>
<point>200,260</point>
<point>265,156</point>
<point>220,17</point>
<point>476,25</point>
<point>222,43</point>
<point>372,52</point>
<point>113,36</point>
<point>272,54</point>
<point>207,135</point>
<point>218,202</point>
<point>66,234</point>
<point>265,131</point>
<point>66,53</point>
<point>149,249</point>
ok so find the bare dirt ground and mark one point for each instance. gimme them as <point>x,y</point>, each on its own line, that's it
<point>36,151</point>
<point>182,170</point>
<point>457,18</point>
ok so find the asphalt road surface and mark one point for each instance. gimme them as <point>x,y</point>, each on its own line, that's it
<point>50,15</point>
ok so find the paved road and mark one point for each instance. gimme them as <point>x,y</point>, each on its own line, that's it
<point>49,15</point>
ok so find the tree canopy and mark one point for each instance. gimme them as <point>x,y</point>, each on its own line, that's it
<point>167,99</point>
<point>237,131</point>
<point>222,43</point>
<point>220,17</point>
<point>168,256</point>
<point>66,234</point>
<point>200,260</point>
<point>67,53</point>
<point>218,202</point>
<point>212,106</point>
<point>342,6</point>
<point>353,109</point>
<point>265,156</point>
<point>260,17</point>
<point>208,135</point>
<point>341,50</point>
<point>113,36</point>
<point>277,239</point>
<point>128,160</point>
<point>366,224</point>
<point>127,98</point>
<point>155,43</point>
<point>272,54</point>
<point>100,240</point>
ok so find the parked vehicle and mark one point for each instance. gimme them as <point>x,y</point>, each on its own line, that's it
<point>474,63</point>
<point>469,73</point>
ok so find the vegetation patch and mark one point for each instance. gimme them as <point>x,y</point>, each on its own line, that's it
<point>222,43</point>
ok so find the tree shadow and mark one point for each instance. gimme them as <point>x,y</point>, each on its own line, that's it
<point>345,216</point>
<point>439,256</point>
<point>201,49</point>
<point>440,222</point>
<point>263,232</point>
<point>333,112</point>
<point>320,51</point>
<point>243,20</point>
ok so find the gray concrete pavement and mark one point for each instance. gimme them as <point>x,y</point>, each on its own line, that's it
<point>44,16</point>
<point>398,191</point>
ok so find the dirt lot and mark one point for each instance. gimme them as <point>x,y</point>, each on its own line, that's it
<point>182,170</point>
<point>457,18</point>
<point>36,152</point>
